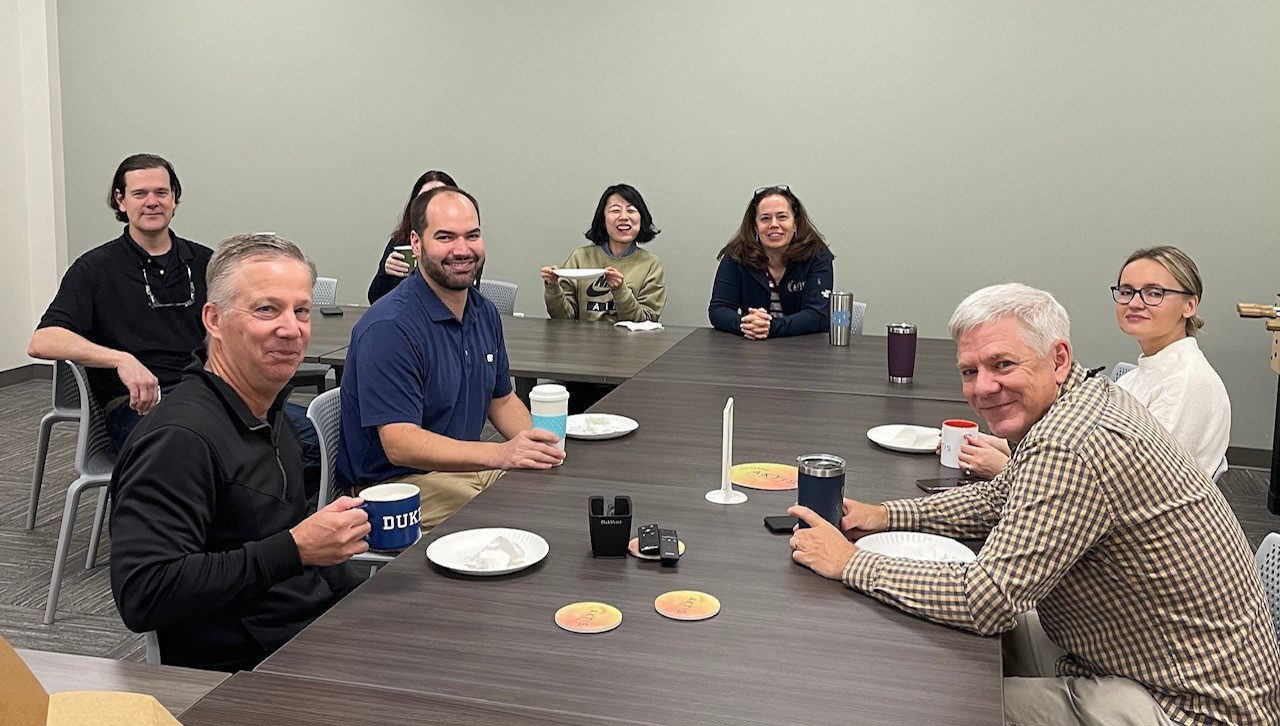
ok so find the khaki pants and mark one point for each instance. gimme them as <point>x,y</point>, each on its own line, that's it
<point>444,492</point>
<point>1033,697</point>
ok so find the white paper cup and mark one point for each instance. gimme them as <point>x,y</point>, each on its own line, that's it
<point>953,433</point>
<point>549,406</point>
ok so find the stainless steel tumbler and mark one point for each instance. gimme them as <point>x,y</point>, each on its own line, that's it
<point>820,486</point>
<point>841,317</point>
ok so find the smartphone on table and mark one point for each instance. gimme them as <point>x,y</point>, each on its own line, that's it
<point>945,483</point>
<point>781,524</point>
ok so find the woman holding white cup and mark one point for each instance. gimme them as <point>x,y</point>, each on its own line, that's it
<point>1157,295</point>
<point>395,267</point>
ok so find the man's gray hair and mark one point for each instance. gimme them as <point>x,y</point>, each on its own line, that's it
<point>1043,318</point>
<point>233,251</point>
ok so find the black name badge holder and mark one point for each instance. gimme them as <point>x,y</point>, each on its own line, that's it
<point>610,530</point>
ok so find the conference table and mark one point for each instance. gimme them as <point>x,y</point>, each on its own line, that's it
<point>418,643</point>
<point>571,350</point>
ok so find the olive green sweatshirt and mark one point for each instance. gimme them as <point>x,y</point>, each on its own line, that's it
<point>639,299</point>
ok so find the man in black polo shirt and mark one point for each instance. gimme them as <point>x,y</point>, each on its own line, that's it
<point>129,310</point>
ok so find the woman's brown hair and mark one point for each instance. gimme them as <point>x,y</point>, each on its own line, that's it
<point>745,247</point>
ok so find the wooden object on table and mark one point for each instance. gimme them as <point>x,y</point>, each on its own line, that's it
<point>175,688</point>
<point>493,639</point>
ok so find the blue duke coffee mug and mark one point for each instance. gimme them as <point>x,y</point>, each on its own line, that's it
<point>395,515</point>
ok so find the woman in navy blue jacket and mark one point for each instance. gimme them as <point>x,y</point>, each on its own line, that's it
<point>773,272</point>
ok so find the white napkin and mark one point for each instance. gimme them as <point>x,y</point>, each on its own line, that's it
<point>638,327</point>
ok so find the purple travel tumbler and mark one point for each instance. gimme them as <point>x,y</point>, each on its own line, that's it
<point>902,352</point>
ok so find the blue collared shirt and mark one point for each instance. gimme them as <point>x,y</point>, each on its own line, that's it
<point>412,361</point>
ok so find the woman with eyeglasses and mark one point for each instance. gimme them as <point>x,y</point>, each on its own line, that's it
<point>394,266</point>
<point>1157,296</point>
<point>773,272</point>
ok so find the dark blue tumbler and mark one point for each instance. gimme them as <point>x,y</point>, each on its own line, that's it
<point>821,486</point>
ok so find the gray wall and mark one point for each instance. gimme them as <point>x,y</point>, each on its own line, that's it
<point>941,146</point>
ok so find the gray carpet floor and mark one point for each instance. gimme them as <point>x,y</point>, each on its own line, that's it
<point>87,622</point>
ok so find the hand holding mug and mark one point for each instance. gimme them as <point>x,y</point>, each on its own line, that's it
<point>334,534</point>
<point>983,455</point>
<point>395,265</point>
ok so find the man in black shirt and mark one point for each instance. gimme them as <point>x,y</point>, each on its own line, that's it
<point>129,310</point>
<point>214,546</point>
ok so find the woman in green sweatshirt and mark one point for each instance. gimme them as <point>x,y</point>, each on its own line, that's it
<point>631,286</point>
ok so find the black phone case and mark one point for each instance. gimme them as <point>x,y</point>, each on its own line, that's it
<point>782,524</point>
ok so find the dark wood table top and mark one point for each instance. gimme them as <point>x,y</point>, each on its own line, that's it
<point>679,435</point>
<point>788,646</point>
<point>807,363</point>
<point>261,698</point>
<point>573,350</point>
<point>175,688</point>
<point>330,333</point>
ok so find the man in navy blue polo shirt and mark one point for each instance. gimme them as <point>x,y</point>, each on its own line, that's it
<point>427,365</point>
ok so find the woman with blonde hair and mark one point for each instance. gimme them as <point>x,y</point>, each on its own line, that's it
<point>1157,296</point>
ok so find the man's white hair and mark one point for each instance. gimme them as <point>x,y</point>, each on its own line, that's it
<point>1043,318</point>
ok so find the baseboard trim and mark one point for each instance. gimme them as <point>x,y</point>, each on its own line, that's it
<point>1253,458</point>
<point>29,372</point>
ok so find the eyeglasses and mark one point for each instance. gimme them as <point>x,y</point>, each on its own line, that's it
<point>774,188</point>
<point>156,304</point>
<point>1152,295</point>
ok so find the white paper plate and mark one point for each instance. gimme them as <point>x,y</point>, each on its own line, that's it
<point>458,551</point>
<point>917,546</point>
<point>593,426</point>
<point>906,438</point>
<point>580,273</point>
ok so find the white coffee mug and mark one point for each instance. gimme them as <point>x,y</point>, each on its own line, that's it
<point>953,432</point>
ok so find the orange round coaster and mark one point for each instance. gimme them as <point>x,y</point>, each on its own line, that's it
<point>764,476</point>
<point>588,617</point>
<point>686,605</point>
<point>634,548</point>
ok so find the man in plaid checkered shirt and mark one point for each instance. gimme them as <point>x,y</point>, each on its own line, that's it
<point>1127,550</point>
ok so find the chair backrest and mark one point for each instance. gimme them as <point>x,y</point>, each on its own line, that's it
<point>1119,369</point>
<point>325,291</point>
<point>500,293</point>
<point>325,413</point>
<point>66,395</point>
<point>153,648</point>
<point>93,444</point>
<point>857,316</point>
<point>1268,559</point>
<point>1222,469</point>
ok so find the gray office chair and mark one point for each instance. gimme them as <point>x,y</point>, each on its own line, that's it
<point>1222,469</point>
<point>324,292</point>
<point>153,648</point>
<point>93,464</point>
<point>1268,559</point>
<point>66,407</point>
<point>857,316</point>
<point>1119,369</point>
<point>500,293</point>
<point>325,413</point>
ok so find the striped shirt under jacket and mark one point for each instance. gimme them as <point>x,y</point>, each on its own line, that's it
<point>1129,552</point>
